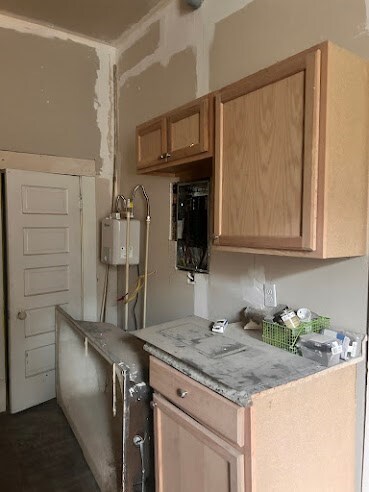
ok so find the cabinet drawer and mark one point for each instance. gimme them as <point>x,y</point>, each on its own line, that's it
<point>215,412</point>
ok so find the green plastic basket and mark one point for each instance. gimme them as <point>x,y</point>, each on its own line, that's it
<point>285,338</point>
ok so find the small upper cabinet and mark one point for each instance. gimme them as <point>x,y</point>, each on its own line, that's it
<point>291,158</point>
<point>181,136</point>
<point>151,143</point>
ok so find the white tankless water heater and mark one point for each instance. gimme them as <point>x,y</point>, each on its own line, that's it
<point>113,241</point>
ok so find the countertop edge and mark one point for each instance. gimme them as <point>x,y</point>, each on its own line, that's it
<point>243,400</point>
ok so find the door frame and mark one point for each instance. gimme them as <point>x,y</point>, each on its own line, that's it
<point>89,266</point>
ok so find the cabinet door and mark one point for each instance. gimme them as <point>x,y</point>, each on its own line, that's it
<point>190,458</point>
<point>188,130</point>
<point>151,143</point>
<point>267,157</point>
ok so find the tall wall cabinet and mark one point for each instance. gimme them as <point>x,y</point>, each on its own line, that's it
<point>290,155</point>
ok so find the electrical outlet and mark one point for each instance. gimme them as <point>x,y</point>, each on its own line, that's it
<point>270,295</point>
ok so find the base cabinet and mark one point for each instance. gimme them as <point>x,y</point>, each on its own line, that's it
<point>298,437</point>
<point>189,457</point>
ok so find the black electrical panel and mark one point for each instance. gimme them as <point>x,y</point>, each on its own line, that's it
<point>192,234</point>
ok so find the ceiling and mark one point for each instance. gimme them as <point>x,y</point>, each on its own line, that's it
<point>105,20</point>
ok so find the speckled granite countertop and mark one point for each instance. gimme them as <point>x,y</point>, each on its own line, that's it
<point>236,365</point>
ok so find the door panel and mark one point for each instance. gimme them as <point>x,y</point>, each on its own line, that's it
<point>44,200</point>
<point>266,159</point>
<point>151,143</point>
<point>46,280</point>
<point>45,240</point>
<point>40,360</point>
<point>188,130</point>
<point>43,223</point>
<point>190,458</point>
<point>39,321</point>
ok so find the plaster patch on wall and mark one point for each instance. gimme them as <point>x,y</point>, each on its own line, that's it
<point>366,27</point>
<point>144,47</point>
<point>104,102</point>
<point>201,299</point>
<point>178,31</point>
<point>253,286</point>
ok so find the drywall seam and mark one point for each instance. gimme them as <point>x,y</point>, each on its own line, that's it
<point>149,18</point>
<point>28,27</point>
<point>177,32</point>
<point>104,98</point>
<point>366,26</point>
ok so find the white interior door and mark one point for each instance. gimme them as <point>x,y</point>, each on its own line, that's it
<point>43,223</point>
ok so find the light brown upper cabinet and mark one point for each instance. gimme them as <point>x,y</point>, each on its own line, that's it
<point>181,136</point>
<point>151,143</point>
<point>291,158</point>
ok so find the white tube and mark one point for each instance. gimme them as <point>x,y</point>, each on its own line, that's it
<point>128,226</point>
<point>114,392</point>
<point>146,271</point>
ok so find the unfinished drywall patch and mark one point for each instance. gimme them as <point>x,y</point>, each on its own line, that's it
<point>144,47</point>
<point>156,90</point>
<point>47,96</point>
<point>104,96</point>
<point>366,25</point>
<point>172,84</point>
<point>266,31</point>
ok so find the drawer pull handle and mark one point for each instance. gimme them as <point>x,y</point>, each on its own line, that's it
<point>182,393</point>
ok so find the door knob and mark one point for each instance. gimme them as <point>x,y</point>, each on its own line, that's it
<point>22,315</point>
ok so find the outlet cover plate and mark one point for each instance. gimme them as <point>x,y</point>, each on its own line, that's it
<point>270,295</point>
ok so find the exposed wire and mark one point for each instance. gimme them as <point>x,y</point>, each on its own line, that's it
<point>128,297</point>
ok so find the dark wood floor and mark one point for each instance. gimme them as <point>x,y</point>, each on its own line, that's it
<point>39,453</point>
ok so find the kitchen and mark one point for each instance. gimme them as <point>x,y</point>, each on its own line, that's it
<point>168,59</point>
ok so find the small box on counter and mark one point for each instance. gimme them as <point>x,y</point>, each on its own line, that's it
<point>324,349</point>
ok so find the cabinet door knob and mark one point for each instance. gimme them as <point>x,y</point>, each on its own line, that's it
<point>22,315</point>
<point>182,393</point>
<point>162,156</point>
<point>167,155</point>
<point>215,238</point>
<point>153,404</point>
